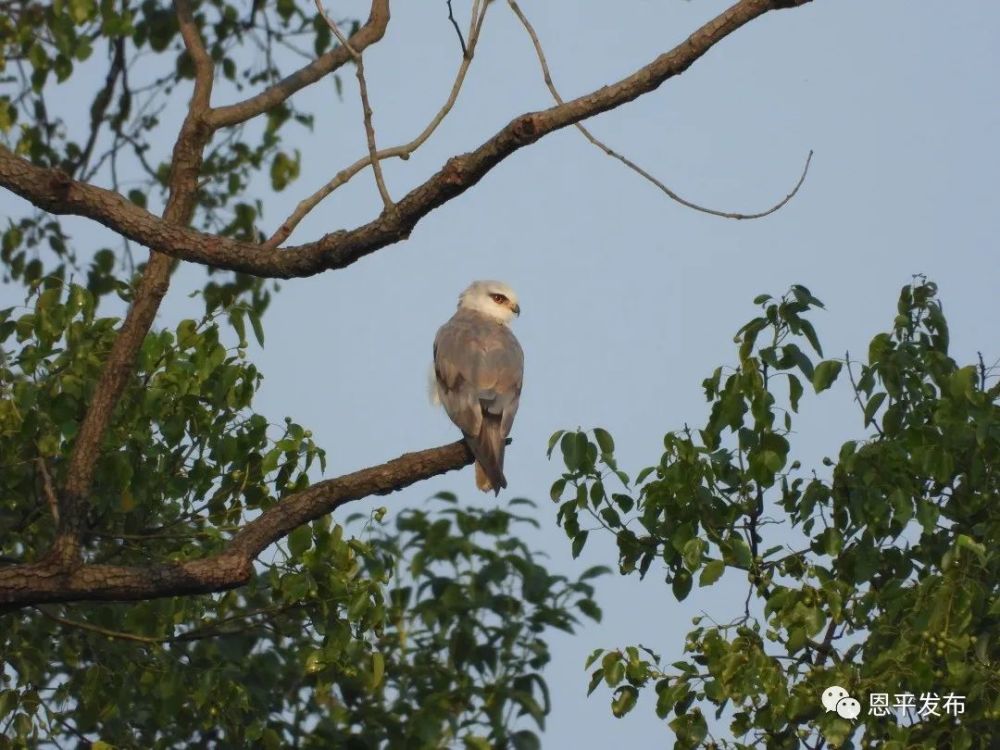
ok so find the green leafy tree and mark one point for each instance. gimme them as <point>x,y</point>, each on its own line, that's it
<point>170,574</point>
<point>877,572</point>
<point>420,634</point>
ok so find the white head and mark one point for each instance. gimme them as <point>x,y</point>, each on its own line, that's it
<point>494,299</point>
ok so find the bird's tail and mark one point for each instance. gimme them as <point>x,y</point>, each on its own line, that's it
<point>488,449</point>
<point>482,481</point>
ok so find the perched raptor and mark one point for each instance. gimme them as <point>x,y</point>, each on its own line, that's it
<point>478,367</point>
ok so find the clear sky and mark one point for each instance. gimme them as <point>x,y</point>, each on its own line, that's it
<point>628,299</point>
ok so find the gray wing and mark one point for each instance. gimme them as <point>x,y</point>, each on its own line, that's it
<point>479,368</point>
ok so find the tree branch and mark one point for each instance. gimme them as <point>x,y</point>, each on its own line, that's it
<point>195,46</point>
<point>48,489</point>
<point>454,23</point>
<point>372,32</point>
<point>547,76</point>
<point>402,152</point>
<point>100,106</point>
<point>39,583</point>
<point>366,106</point>
<point>186,164</point>
<point>54,191</point>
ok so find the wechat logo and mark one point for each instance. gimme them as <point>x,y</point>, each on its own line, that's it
<point>835,698</point>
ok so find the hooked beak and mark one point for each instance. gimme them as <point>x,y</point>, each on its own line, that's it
<point>516,309</point>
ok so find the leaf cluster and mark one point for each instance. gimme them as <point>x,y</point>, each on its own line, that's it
<point>877,572</point>
<point>427,632</point>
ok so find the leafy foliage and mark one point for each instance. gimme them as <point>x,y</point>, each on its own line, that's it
<point>129,59</point>
<point>417,635</point>
<point>878,573</point>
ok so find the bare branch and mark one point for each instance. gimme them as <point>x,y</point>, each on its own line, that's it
<point>365,106</point>
<point>372,32</point>
<point>401,152</point>
<point>46,582</point>
<point>47,489</point>
<point>56,192</point>
<point>100,106</point>
<point>117,634</point>
<point>461,39</point>
<point>628,162</point>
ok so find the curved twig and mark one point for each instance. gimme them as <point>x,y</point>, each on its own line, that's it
<point>628,162</point>
<point>461,39</point>
<point>403,151</point>
<point>56,192</point>
<point>372,32</point>
<point>365,106</point>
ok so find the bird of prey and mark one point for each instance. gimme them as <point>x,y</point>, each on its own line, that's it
<point>478,368</point>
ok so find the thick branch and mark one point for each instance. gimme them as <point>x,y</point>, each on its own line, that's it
<point>403,151</point>
<point>56,192</point>
<point>39,583</point>
<point>371,32</point>
<point>186,164</point>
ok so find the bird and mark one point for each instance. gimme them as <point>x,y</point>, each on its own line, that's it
<point>478,371</point>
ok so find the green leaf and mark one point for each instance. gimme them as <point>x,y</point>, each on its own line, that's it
<point>525,740</point>
<point>624,700</point>
<point>872,406</point>
<point>569,445</point>
<point>794,391</point>
<point>595,679</point>
<point>258,329</point>
<point>299,541</point>
<point>270,462</point>
<point>595,572</point>
<point>556,436</point>
<point>740,551</point>
<point>578,541</point>
<point>711,573</point>
<point>682,584</point>
<point>613,668</point>
<point>8,702</point>
<point>810,334</point>
<point>378,669</point>
<point>604,440</point>
<point>826,372</point>
<point>964,541</point>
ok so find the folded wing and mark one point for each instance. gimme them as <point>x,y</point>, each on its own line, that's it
<point>479,367</point>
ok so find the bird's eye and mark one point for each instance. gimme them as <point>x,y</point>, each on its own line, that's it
<point>499,299</point>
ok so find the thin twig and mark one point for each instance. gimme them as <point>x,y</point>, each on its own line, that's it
<point>100,106</point>
<point>48,489</point>
<point>365,105</point>
<point>197,634</point>
<point>98,629</point>
<point>54,191</point>
<point>403,151</point>
<point>461,39</point>
<point>628,162</point>
<point>857,393</point>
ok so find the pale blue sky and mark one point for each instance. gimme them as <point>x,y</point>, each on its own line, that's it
<point>630,300</point>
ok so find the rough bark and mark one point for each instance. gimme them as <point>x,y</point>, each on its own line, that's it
<point>48,581</point>
<point>55,191</point>
<point>62,575</point>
